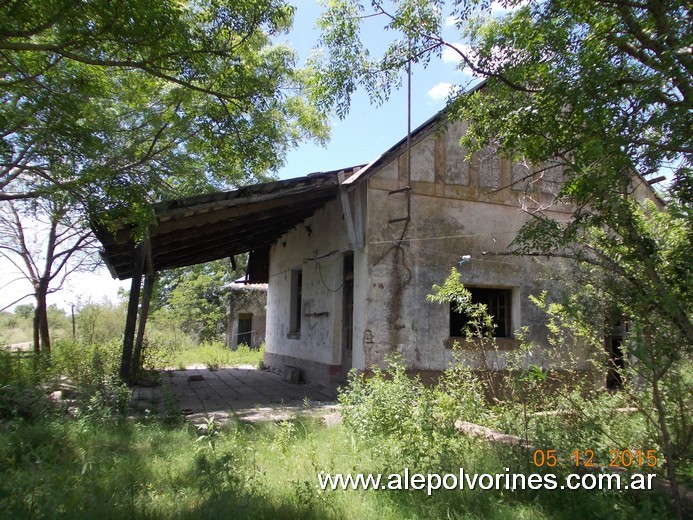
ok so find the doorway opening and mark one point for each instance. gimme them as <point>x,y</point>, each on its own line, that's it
<point>347,315</point>
<point>245,329</point>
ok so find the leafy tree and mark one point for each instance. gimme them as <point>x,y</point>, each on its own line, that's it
<point>99,323</point>
<point>601,80</point>
<point>128,102</point>
<point>25,310</point>
<point>195,299</point>
<point>115,105</point>
<point>603,90</point>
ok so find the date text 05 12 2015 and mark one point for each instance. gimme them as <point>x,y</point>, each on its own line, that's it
<point>585,458</point>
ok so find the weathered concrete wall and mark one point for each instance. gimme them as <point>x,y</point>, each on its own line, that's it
<point>317,247</point>
<point>463,214</point>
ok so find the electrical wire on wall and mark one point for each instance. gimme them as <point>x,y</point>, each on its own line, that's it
<point>322,279</point>
<point>379,259</point>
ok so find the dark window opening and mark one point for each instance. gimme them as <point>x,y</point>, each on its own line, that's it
<point>245,329</point>
<point>498,305</point>
<point>616,364</point>
<point>615,344</point>
<point>295,302</point>
<point>257,270</point>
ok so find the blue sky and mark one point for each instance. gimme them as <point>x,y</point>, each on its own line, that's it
<point>370,130</point>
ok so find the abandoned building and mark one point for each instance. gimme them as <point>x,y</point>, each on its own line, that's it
<point>247,314</point>
<point>349,256</point>
<point>348,286</point>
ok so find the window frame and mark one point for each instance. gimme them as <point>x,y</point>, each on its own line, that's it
<point>482,294</point>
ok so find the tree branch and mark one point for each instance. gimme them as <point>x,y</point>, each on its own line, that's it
<point>126,64</point>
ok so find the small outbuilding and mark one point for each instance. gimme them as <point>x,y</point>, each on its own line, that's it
<point>247,314</point>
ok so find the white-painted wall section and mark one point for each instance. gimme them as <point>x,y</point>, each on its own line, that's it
<point>317,247</point>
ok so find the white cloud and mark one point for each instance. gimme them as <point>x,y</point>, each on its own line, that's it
<point>451,21</point>
<point>450,55</point>
<point>503,7</point>
<point>440,91</point>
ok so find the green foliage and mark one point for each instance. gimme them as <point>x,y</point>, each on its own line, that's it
<point>458,395</point>
<point>20,398</point>
<point>597,97</point>
<point>286,436</point>
<point>24,311</point>
<point>381,404</point>
<point>414,424</point>
<point>196,300</point>
<point>215,355</point>
<point>635,416</point>
<point>403,424</point>
<point>14,329</point>
<point>105,400</point>
<point>93,368</point>
<point>164,339</point>
<point>98,323</point>
<point>97,465</point>
<point>208,430</point>
<point>84,363</point>
<point>591,58</point>
<point>17,327</point>
<point>479,323</point>
<point>537,404</point>
<point>129,103</point>
<point>590,85</point>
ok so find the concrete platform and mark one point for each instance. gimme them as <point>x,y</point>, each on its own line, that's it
<point>244,393</point>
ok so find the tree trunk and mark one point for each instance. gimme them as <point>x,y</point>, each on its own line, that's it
<point>37,338</point>
<point>666,445</point>
<point>42,314</point>
<point>144,313</point>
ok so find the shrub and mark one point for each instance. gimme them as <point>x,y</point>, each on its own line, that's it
<point>93,369</point>
<point>413,425</point>
<point>99,323</point>
<point>380,405</point>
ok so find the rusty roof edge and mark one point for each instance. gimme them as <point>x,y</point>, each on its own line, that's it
<point>322,184</point>
<point>303,184</point>
<point>111,269</point>
<point>239,193</point>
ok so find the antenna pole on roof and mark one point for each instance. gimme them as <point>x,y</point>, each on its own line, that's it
<point>408,127</point>
<point>407,188</point>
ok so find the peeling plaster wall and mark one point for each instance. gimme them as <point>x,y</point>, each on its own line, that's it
<point>458,208</point>
<point>317,350</point>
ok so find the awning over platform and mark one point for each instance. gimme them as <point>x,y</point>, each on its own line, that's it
<point>209,227</point>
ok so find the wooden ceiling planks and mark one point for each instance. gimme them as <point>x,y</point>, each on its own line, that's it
<point>212,226</point>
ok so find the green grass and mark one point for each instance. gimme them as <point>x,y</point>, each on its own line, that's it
<point>14,329</point>
<point>63,468</point>
<point>19,329</point>
<point>215,355</point>
<point>100,465</point>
